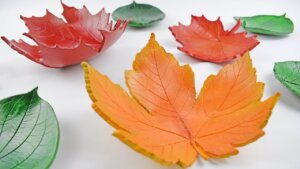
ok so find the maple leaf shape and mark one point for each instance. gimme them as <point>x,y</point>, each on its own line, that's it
<point>61,43</point>
<point>208,41</point>
<point>166,122</point>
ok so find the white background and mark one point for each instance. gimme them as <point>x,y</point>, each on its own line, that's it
<point>86,141</point>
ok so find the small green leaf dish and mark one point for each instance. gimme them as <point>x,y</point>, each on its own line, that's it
<point>139,15</point>
<point>267,24</point>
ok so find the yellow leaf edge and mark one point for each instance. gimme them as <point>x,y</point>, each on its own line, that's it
<point>86,67</point>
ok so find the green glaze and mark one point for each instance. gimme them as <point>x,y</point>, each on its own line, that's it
<point>29,132</point>
<point>140,15</point>
<point>288,73</point>
<point>267,24</point>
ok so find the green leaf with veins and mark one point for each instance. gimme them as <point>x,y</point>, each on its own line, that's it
<point>267,24</point>
<point>140,15</point>
<point>288,73</point>
<point>29,132</point>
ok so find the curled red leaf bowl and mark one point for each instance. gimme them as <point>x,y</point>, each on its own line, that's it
<point>62,43</point>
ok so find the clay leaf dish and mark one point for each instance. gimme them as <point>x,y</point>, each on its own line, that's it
<point>60,44</point>
<point>29,135</point>
<point>267,24</point>
<point>140,15</point>
<point>164,120</point>
<point>208,41</point>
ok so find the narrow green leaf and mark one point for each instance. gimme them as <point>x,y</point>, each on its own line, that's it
<point>29,132</point>
<point>267,24</point>
<point>288,73</point>
<point>140,15</point>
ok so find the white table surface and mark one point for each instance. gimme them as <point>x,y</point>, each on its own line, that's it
<point>86,141</point>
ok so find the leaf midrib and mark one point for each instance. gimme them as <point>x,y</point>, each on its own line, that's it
<point>175,111</point>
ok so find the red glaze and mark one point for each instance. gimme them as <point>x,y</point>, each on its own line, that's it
<point>207,40</point>
<point>60,44</point>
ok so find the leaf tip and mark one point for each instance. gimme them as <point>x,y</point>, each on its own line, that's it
<point>152,40</point>
<point>64,5</point>
<point>274,99</point>
<point>34,91</point>
<point>277,96</point>
<point>48,12</point>
<point>5,39</point>
<point>22,17</point>
<point>152,37</point>
<point>85,66</point>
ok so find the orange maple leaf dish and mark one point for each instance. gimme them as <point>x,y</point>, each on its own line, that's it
<point>164,120</point>
<point>207,40</point>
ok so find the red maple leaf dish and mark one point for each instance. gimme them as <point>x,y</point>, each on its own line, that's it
<point>61,44</point>
<point>207,40</point>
